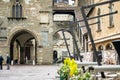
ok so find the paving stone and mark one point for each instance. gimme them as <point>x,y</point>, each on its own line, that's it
<point>30,72</point>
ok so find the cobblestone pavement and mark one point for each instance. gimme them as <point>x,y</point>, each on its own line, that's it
<point>30,72</point>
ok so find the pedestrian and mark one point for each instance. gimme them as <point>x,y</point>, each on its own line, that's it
<point>1,61</point>
<point>8,61</point>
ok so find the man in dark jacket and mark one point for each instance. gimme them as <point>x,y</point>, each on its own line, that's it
<point>8,61</point>
<point>1,60</point>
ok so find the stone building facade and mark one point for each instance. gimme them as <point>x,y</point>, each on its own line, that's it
<point>27,29</point>
<point>106,31</point>
<point>30,30</point>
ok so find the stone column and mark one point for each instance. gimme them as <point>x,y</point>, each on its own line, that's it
<point>33,52</point>
<point>18,55</point>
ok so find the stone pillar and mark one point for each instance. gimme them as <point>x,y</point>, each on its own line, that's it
<point>18,55</point>
<point>33,52</point>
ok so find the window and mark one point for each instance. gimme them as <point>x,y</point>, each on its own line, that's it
<point>91,49</point>
<point>100,48</point>
<point>108,47</point>
<point>13,10</point>
<point>111,16</point>
<point>17,9</point>
<point>98,20</point>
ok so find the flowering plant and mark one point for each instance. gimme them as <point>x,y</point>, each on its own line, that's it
<point>70,70</point>
<point>80,75</point>
<point>64,72</point>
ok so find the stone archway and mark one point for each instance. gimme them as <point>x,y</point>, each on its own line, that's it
<point>60,45</point>
<point>23,47</point>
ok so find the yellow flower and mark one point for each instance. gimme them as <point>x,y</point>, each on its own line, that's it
<point>67,61</point>
<point>71,65</point>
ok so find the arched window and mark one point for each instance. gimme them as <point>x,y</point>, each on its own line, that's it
<point>20,10</point>
<point>108,47</point>
<point>100,48</point>
<point>13,11</point>
<point>17,9</point>
<point>91,49</point>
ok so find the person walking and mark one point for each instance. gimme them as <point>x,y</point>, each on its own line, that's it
<point>8,61</point>
<point>1,61</point>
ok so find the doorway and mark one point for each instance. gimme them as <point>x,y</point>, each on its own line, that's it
<point>55,56</point>
<point>23,48</point>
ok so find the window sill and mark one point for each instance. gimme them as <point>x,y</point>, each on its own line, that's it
<point>99,30</point>
<point>111,26</point>
<point>16,18</point>
<point>44,23</point>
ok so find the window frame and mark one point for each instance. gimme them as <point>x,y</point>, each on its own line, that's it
<point>111,20</point>
<point>17,10</point>
<point>99,20</point>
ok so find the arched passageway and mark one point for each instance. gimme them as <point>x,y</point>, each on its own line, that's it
<point>23,48</point>
<point>60,46</point>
